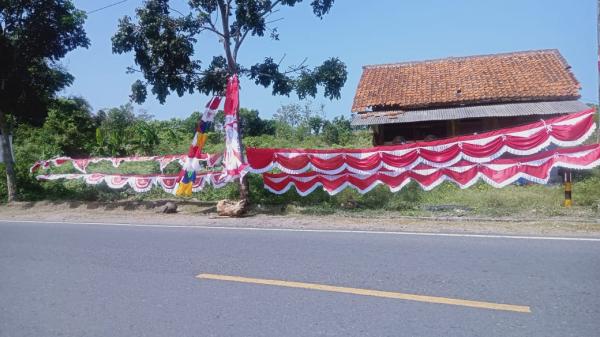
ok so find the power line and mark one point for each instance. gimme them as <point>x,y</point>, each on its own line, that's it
<point>107,6</point>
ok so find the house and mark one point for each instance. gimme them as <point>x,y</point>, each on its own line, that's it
<point>433,99</point>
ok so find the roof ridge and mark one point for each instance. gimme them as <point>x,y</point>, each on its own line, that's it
<point>469,57</point>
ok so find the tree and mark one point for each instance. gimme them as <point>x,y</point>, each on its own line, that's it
<point>112,135</point>
<point>290,114</point>
<point>164,39</point>
<point>71,125</point>
<point>144,137</point>
<point>315,123</point>
<point>253,125</point>
<point>250,123</point>
<point>338,131</point>
<point>34,36</point>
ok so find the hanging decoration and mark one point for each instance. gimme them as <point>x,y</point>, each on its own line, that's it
<point>233,163</point>
<point>568,130</point>
<point>140,183</point>
<point>462,160</point>
<point>187,175</point>
<point>191,178</point>
<point>81,164</point>
<point>498,173</point>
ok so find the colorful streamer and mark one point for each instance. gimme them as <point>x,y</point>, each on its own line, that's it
<point>187,175</point>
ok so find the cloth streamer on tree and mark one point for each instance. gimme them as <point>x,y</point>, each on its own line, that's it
<point>190,179</point>
<point>81,164</point>
<point>498,173</point>
<point>567,130</point>
<point>187,175</point>
<point>233,162</point>
<point>141,183</point>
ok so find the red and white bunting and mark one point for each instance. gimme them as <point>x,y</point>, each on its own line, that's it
<point>140,183</point>
<point>233,163</point>
<point>81,164</point>
<point>498,173</point>
<point>568,130</point>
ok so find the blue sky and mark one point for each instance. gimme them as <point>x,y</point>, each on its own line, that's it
<point>382,31</point>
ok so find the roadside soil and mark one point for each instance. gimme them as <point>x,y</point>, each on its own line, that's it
<point>192,213</point>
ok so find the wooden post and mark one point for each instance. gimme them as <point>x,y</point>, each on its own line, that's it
<point>453,125</point>
<point>567,179</point>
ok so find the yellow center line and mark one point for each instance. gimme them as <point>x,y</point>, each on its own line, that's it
<point>369,292</point>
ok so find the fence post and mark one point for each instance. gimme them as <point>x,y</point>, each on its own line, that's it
<point>567,179</point>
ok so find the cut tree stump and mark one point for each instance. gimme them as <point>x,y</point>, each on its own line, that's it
<point>231,208</point>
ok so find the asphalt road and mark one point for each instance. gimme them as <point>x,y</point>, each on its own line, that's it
<point>93,280</point>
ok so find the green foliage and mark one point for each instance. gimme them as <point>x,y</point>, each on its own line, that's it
<point>290,114</point>
<point>338,131</point>
<point>112,134</point>
<point>70,125</point>
<point>252,125</point>
<point>315,124</point>
<point>34,35</point>
<point>144,137</point>
<point>587,191</point>
<point>165,43</point>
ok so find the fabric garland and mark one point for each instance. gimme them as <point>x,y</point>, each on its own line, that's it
<point>233,162</point>
<point>568,130</point>
<point>81,164</point>
<point>187,175</point>
<point>498,173</point>
<point>191,178</point>
<point>140,183</point>
<point>463,160</point>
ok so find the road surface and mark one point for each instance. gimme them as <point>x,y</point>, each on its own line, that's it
<point>59,279</point>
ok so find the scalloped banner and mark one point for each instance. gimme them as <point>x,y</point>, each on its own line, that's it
<point>568,130</point>
<point>498,173</point>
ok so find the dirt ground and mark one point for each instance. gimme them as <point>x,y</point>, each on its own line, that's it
<point>203,214</point>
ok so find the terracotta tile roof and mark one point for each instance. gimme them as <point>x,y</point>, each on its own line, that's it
<point>538,75</point>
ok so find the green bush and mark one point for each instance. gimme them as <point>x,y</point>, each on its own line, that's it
<point>587,192</point>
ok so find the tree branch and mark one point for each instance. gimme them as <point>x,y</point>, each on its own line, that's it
<point>131,70</point>
<point>270,9</point>
<point>224,9</point>
<point>212,27</point>
<point>239,40</point>
<point>268,22</point>
<point>176,11</point>
<point>293,69</point>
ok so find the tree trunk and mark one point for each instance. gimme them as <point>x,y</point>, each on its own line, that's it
<point>244,185</point>
<point>224,8</point>
<point>245,190</point>
<point>11,180</point>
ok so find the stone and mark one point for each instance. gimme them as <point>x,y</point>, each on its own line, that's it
<point>169,208</point>
<point>231,208</point>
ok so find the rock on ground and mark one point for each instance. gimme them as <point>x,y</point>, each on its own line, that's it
<point>170,207</point>
<point>231,208</point>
